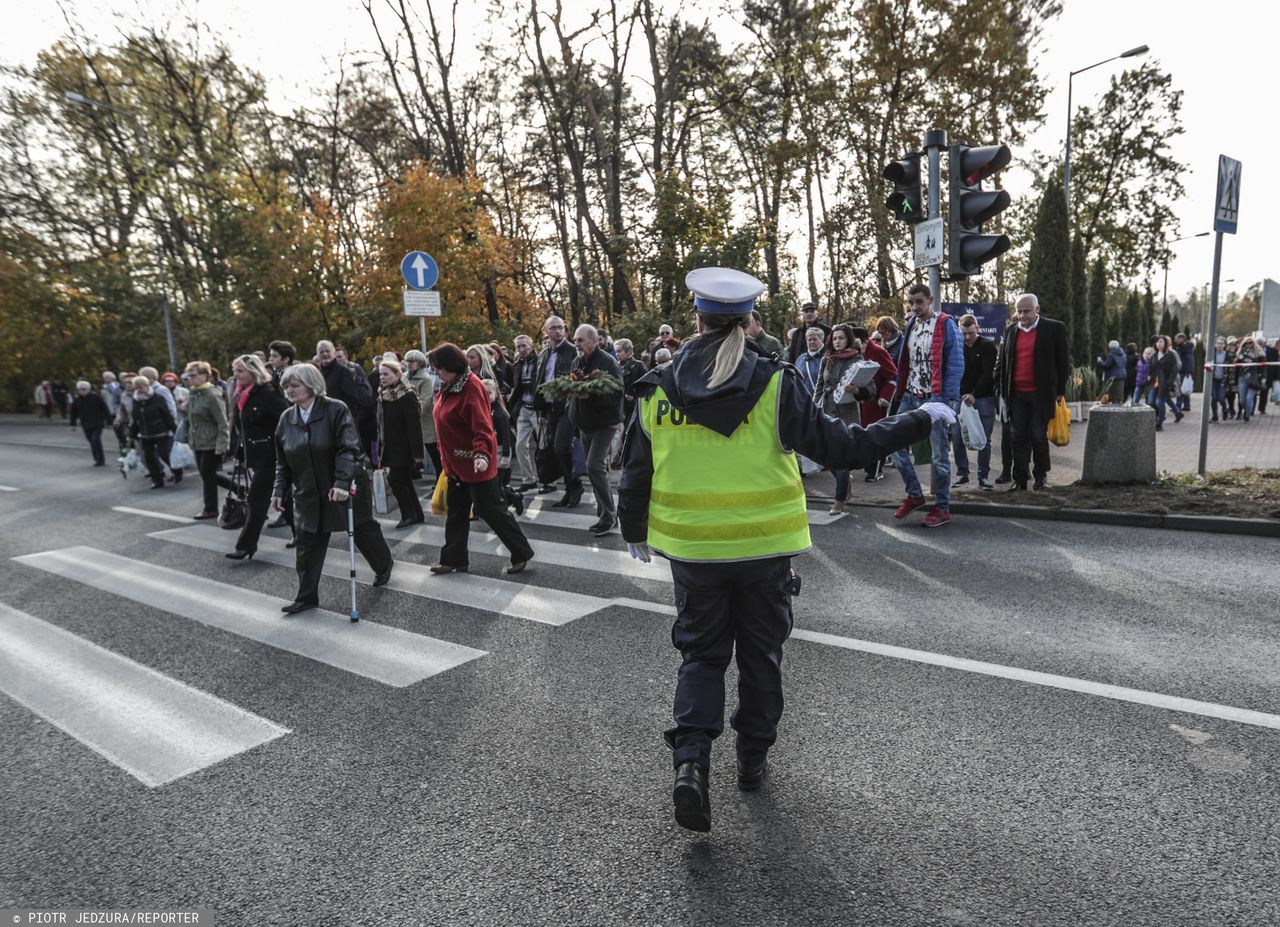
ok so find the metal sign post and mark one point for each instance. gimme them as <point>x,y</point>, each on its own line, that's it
<point>1225,214</point>
<point>420,273</point>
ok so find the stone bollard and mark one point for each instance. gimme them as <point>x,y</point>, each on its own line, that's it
<point>1120,445</point>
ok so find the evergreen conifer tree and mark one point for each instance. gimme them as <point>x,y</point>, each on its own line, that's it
<point>1097,305</point>
<point>1049,264</point>
<point>1135,328</point>
<point>1080,334</point>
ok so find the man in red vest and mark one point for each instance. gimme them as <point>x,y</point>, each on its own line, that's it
<point>1032,375</point>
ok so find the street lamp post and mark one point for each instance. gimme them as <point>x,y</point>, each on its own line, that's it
<point>82,100</point>
<point>1164,300</point>
<point>1066,163</point>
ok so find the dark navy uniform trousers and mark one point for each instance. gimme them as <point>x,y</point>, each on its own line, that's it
<point>723,608</point>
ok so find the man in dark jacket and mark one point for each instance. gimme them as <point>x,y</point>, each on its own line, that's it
<point>1270,375</point>
<point>597,419</point>
<point>810,319</point>
<point>341,382</point>
<point>522,411</point>
<point>1130,369</point>
<point>554,362</point>
<point>91,411</point>
<point>977,389</point>
<point>1031,375</point>
<point>1186,349</point>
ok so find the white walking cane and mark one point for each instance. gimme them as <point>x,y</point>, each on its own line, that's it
<point>351,544</point>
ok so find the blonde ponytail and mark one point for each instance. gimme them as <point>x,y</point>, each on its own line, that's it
<point>734,345</point>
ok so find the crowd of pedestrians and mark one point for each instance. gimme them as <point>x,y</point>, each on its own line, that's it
<point>480,418</point>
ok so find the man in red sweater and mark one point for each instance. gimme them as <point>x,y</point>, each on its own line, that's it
<point>1032,373</point>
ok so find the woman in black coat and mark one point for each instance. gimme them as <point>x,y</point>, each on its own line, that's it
<point>400,438</point>
<point>259,405</point>
<point>319,456</point>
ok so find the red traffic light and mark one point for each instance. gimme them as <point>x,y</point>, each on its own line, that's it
<point>977,164</point>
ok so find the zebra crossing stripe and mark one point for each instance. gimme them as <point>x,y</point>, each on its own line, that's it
<point>375,651</point>
<point>585,556</point>
<point>152,726</point>
<point>9,489</point>
<point>163,516</point>
<point>514,600</point>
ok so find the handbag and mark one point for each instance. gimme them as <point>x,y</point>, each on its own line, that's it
<point>1060,425</point>
<point>972,433</point>
<point>383,502</point>
<point>235,508</point>
<point>579,460</point>
<point>440,496</point>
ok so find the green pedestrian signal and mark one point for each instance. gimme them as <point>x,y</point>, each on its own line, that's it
<point>907,196</point>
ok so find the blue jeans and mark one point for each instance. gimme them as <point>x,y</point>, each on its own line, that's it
<point>940,440</point>
<point>986,406</point>
<point>1248,395</point>
<point>1161,404</point>
<point>842,485</point>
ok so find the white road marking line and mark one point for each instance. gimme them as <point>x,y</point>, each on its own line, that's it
<point>9,489</point>
<point>540,513</point>
<point>163,516</point>
<point>912,533</point>
<point>1052,680</point>
<point>515,600</point>
<point>376,651</point>
<point>152,726</point>
<point>585,556</point>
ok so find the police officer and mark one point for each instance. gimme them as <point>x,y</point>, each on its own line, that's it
<point>710,482</point>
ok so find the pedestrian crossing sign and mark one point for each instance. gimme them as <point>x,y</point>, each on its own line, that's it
<point>1227,202</point>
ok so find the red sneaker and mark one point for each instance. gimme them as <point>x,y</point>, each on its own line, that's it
<point>909,505</point>
<point>936,518</point>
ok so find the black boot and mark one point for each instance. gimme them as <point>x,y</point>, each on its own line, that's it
<point>751,772</point>
<point>692,801</point>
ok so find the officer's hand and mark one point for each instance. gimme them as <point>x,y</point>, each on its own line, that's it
<point>639,551</point>
<point>277,504</point>
<point>939,411</point>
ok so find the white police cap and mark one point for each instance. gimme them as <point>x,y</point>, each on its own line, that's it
<point>722,290</point>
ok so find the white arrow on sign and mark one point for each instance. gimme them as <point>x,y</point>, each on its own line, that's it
<point>420,265</point>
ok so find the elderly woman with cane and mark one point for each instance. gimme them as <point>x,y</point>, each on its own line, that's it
<point>319,456</point>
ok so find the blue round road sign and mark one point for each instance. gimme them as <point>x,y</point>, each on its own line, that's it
<point>419,270</point>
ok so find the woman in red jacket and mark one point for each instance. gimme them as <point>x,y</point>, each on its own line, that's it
<point>875,405</point>
<point>469,458</point>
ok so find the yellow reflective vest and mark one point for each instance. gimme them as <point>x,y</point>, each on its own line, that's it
<point>718,499</point>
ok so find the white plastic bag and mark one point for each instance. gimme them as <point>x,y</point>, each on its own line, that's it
<point>384,502</point>
<point>972,433</point>
<point>181,456</point>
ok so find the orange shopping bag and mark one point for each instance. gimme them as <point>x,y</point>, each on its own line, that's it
<point>1060,424</point>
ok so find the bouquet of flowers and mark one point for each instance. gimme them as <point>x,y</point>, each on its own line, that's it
<point>576,386</point>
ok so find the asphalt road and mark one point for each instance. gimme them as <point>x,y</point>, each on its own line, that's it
<point>528,783</point>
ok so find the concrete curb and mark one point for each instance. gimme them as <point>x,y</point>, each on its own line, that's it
<point>1251,527</point>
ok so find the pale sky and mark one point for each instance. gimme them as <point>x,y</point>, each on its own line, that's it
<point>1217,54</point>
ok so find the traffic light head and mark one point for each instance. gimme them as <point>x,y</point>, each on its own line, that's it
<point>970,207</point>
<point>907,199</point>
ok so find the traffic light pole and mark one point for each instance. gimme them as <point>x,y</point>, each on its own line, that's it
<point>1211,356</point>
<point>934,141</point>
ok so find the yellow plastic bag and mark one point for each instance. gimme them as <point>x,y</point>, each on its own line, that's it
<point>438,497</point>
<point>1060,424</point>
